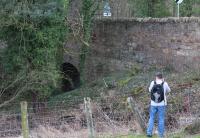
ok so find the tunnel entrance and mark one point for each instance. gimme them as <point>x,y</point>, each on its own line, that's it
<point>71,77</point>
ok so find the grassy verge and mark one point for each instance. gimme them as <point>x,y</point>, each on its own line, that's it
<point>179,135</point>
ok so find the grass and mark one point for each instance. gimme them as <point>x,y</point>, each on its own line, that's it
<point>123,83</point>
<point>179,135</point>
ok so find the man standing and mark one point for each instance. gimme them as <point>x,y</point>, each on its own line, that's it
<point>158,90</point>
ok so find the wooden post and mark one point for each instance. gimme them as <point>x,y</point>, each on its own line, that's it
<point>134,107</point>
<point>88,113</point>
<point>24,118</point>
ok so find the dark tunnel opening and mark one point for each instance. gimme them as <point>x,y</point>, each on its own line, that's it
<point>71,77</point>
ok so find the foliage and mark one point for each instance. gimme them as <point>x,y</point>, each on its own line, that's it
<point>150,8</point>
<point>186,8</point>
<point>159,8</point>
<point>196,9</point>
<point>190,8</point>
<point>140,8</point>
<point>34,31</point>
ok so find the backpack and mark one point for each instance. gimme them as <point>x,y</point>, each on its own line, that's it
<point>157,92</point>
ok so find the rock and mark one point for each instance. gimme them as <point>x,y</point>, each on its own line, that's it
<point>193,128</point>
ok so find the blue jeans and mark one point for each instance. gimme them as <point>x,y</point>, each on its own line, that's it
<point>160,110</point>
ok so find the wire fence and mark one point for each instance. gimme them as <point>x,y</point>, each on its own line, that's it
<point>106,117</point>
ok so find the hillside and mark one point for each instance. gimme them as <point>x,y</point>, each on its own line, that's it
<point>182,101</point>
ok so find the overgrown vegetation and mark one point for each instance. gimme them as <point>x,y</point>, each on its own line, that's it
<point>121,85</point>
<point>34,32</point>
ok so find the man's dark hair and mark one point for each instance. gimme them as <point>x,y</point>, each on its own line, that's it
<point>159,75</point>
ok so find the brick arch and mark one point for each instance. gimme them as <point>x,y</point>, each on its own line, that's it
<point>71,77</point>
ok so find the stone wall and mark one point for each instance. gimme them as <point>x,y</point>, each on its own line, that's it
<point>120,44</point>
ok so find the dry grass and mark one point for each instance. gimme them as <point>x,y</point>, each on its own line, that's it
<point>50,132</point>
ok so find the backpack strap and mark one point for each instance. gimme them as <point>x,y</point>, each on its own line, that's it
<point>164,92</point>
<point>154,82</point>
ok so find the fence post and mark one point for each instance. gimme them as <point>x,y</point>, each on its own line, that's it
<point>88,113</point>
<point>24,118</point>
<point>138,115</point>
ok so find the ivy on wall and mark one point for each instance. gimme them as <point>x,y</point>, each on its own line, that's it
<point>34,32</point>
